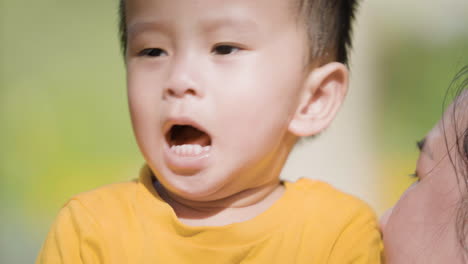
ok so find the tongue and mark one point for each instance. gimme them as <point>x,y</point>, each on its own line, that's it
<point>189,135</point>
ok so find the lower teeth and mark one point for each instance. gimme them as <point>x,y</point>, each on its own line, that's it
<point>189,149</point>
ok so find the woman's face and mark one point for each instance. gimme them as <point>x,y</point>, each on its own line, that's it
<point>421,227</point>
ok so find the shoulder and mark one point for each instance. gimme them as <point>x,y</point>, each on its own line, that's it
<point>103,202</point>
<point>322,196</point>
<point>108,193</point>
<point>86,226</point>
<point>345,221</point>
<point>332,213</point>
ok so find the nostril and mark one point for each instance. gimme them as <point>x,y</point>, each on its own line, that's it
<point>191,92</point>
<point>180,92</point>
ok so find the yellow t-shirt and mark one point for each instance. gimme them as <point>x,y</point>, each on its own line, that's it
<point>129,223</point>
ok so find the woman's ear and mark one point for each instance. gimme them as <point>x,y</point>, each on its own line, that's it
<point>323,93</point>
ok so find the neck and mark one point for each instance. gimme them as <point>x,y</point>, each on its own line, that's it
<point>238,207</point>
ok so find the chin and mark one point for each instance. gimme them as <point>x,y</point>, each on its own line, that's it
<point>200,186</point>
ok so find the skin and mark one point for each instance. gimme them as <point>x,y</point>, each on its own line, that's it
<point>254,99</point>
<point>421,228</point>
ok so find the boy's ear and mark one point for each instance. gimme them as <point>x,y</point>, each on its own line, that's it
<point>323,93</point>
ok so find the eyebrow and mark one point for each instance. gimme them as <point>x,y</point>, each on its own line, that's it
<point>209,25</point>
<point>142,26</point>
<point>227,22</point>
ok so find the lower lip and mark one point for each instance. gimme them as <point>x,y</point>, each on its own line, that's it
<point>186,165</point>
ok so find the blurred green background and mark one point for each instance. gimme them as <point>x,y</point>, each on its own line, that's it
<point>65,127</point>
<point>416,61</point>
<point>63,110</point>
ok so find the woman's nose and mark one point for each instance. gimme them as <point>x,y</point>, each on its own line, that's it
<point>384,219</point>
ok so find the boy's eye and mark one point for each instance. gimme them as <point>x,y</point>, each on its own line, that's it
<point>225,49</point>
<point>153,52</point>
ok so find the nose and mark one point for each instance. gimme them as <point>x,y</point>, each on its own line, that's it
<point>182,80</point>
<point>384,219</point>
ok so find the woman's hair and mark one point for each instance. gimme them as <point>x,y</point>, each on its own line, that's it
<point>458,90</point>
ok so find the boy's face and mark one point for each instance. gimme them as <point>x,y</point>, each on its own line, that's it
<point>223,78</point>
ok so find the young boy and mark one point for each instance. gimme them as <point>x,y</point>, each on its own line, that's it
<point>219,93</point>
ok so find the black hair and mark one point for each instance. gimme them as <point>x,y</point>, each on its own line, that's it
<point>123,26</point>
<point>456,89</point>
<point>328,23</point>
<point>329,27</point>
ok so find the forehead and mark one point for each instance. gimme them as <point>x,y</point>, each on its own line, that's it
<point>262,13</point>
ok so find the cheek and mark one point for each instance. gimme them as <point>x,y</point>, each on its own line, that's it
<point>143,85</point>
<point>144,88</point>
<point>259,102</point>
<point>145,105</point>
<point>421,223</point>
<point>263,84</point>
<point>425,206</point>
<point>403,228</point>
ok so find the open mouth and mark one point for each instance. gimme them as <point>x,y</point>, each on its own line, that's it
<point>188,140</point>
